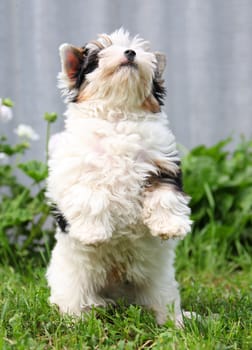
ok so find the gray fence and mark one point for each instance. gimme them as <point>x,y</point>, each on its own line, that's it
<point>208,44</point>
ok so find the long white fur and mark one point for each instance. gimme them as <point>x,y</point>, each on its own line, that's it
<point>98,169</point>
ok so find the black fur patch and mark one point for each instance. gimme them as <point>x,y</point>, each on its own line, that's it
<point>169,178</point>
<point>60,219</point>
<point>166,177</point>
<point>90,63</point>
<point>158,91</point>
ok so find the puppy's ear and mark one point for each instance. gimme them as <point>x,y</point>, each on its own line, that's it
<point>158,89</point>
<point>161,63</point>
<point>71,62</point>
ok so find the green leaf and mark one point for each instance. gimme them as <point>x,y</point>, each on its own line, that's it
<point>34,169</point>
<point>220,185</point>
<point>11,150</point>
<point>209,195</point>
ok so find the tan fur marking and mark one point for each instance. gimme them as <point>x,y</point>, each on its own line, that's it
<point>170,167</point>
<point>82,97</point>
<point>106,38</point>
<point>97,43</point>
<point>151,104</point>
<point>116,274</point>
<point>153,184</point>
<point>108,72</point>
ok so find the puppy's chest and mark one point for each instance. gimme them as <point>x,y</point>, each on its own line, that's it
<point>122,143</point>
<point>116,159</point>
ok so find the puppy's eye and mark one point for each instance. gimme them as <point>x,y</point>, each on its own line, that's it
<point>85,51</point>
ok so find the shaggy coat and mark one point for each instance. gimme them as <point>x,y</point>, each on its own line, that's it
<point>115,179</point>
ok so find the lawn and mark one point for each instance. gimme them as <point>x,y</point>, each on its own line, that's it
<point>219,293</point>
<point>213,264</point>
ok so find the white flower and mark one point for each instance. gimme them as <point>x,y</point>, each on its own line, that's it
<point>3,158</point>
<point>26,131</point>
<point>5,113</point>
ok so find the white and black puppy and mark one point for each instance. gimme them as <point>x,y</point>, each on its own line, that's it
<point>114,176</point>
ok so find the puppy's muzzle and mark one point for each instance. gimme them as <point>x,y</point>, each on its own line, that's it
<point>130,55</point>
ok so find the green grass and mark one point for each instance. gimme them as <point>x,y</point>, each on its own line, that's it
<point>213,267</point>
<point>221,295</point>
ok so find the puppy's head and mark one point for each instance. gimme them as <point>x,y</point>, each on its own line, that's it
<point>116,69</point>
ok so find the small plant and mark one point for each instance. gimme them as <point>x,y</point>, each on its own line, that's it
<point>24,213</point>
<point>220,185</point>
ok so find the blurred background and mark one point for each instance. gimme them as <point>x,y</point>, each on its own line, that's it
<point>208,44</point>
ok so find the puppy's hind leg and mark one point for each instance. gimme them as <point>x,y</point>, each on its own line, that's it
<point>164,300</point>
<point>72,289</point>
<point>159,291</point>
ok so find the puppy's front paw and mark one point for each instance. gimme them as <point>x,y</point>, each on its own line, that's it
<point>167,214</point>
<point>168,226</point>
<point>175,227</point>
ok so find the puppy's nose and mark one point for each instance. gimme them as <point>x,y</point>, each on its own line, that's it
<point>130,54</point>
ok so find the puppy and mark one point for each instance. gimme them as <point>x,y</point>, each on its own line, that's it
<point>115,179</point>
